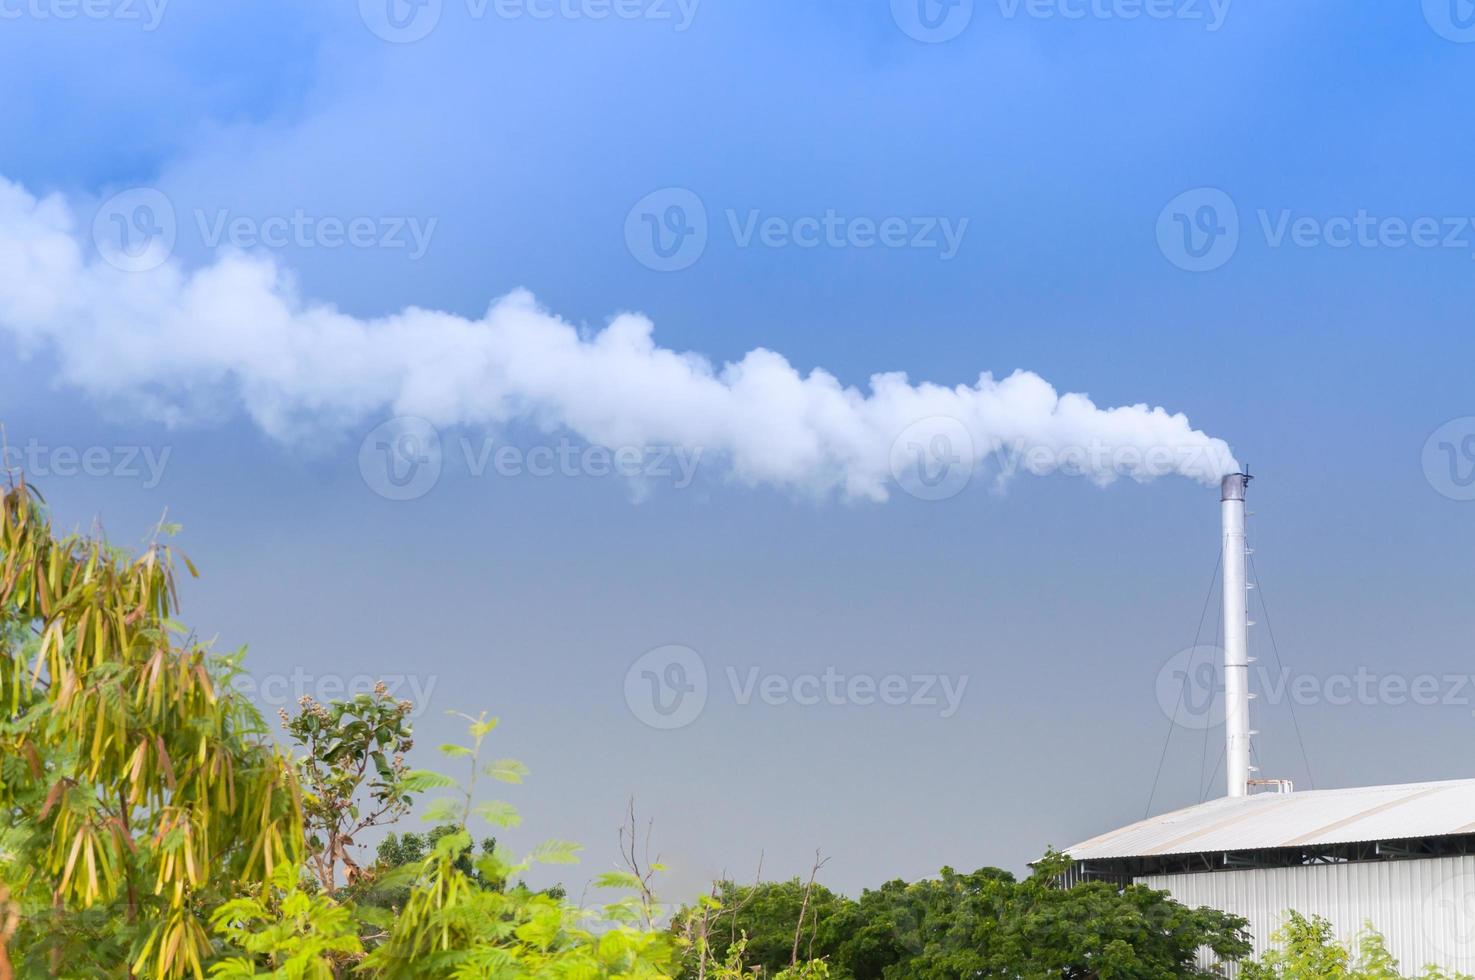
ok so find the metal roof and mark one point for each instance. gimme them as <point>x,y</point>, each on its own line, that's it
<point>1267,820</point>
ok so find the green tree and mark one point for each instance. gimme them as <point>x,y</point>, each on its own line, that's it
<point>454,921</point>
<point>351,766</point>
<point>137,788</point>
<point>141,798</point>
<point>451,925</point>
<point>1307,949</point>
<point>385,885</point>
<point>987,924</point>
<point>764,919</point>
<point>287,929</point>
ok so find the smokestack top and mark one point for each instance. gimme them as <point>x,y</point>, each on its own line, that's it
<point>1232,487</point>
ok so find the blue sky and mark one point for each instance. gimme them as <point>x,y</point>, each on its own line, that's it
<point>1061,141</point>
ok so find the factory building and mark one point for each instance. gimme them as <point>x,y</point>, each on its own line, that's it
<point>1399,857</point>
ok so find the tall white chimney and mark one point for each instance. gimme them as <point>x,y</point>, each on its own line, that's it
<point>1236,636</point>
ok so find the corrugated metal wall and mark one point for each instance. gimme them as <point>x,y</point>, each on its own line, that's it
<point>1425,907</point>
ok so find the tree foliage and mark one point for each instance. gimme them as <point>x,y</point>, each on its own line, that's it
<point>150,828</point>
<point>136,787</point>
<point>1307,949</point>
<point>351,765</point>
<point>980,925</point>
<point>292,931</point>
<point>453,925</point>
<point>765,918</point>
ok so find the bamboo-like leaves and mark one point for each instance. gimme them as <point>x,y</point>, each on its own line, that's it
<point>134,761</point>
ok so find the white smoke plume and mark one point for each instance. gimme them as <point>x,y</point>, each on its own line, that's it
<point>177,343</point>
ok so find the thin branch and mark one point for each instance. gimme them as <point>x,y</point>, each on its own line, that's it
<point>804,906</point>
<point>631,858</point>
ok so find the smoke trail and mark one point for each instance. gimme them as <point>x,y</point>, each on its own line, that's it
<point>236,335</point>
